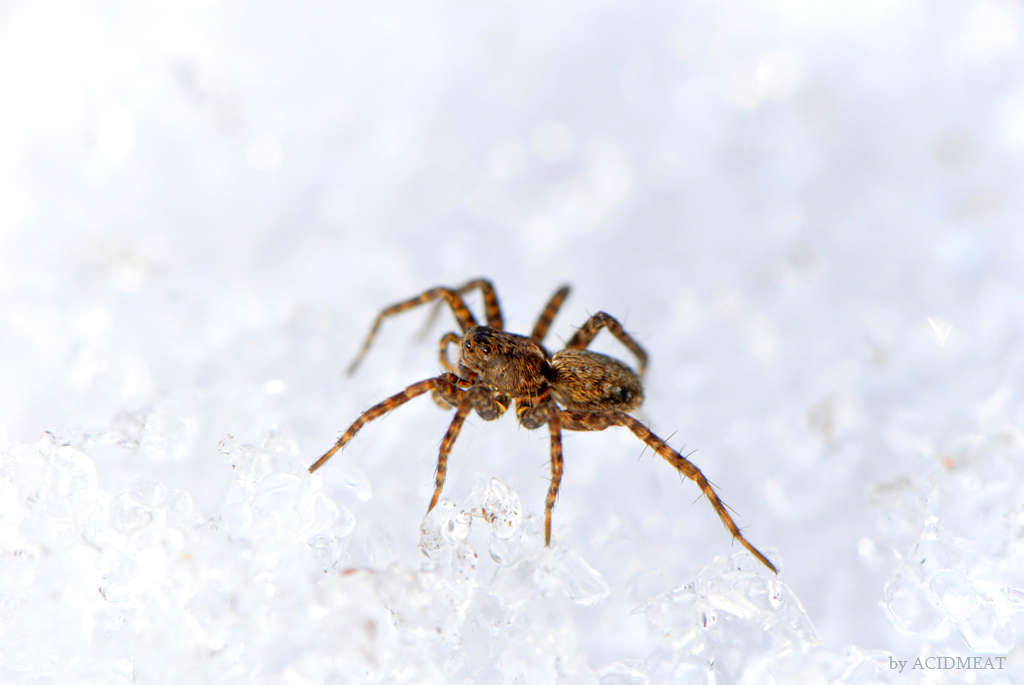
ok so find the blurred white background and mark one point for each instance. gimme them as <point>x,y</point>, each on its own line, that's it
<point>808,213</point>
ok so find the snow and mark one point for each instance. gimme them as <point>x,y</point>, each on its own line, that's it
<point>807,213</point>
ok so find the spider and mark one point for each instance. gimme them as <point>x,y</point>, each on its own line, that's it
<point>573,389</point>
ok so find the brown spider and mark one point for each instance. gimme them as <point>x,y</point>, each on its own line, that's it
<point>573,389</point>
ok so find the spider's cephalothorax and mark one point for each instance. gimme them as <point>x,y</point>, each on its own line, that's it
<point>509,363</point>
<point>574,389</point>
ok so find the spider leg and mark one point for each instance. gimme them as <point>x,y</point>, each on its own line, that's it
<point>489,404</point>
<point>446,386</point>
<point>555,428</point>
<point>595,421</point>
<point>452,297</point>
<point>446,396</point>
<point>492,309</point>
<point>549,313</point>
<point>533,413</point>
<point>447,340</point>
<point>601,320</point>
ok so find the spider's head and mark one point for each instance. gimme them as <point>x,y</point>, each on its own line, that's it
<point>511,363</point>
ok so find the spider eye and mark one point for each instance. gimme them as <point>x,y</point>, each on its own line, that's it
<point>485,349</point>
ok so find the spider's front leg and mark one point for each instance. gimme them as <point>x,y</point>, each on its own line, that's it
<point>492,310</point>
<point>596,421</point>
<point>534,413</point>
<point>488,403</point>
<point>447,340</point>
<point>465,380</point>
<point>446,385</point>
<point>452,297</point>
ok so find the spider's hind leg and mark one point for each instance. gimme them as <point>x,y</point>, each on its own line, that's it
<point>590,421</point>
<point>601,320</point>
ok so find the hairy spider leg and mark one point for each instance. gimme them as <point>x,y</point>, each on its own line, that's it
<point>595,421</point>
<point>601,320</point>
<point>540,329</point>
<point>447,386</point>
<point>492,310</point>
<point>447,340</point>
<point>489,404</point>
<point>534,412</point>
<point>452,297</point>
<point>555,428</point>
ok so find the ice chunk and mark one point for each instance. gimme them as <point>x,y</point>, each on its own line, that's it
<point>501,509</point>
<point>581,581</point>
<point>908,606</point>
<point>736,623</point>
<point>988,630</point>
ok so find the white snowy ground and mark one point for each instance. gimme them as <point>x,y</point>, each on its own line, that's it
<point>809,213</point>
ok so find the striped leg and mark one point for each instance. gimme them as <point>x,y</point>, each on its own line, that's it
<point>555,428</point>
<point>447,340</point>
<point>446,386</point>
<point>452,297</point>
<point>549,313</point>
<point>488,404</point>
<point>532,414</point>
<point>595,421</point>
<point>602,320</point>
<point>492,310</point>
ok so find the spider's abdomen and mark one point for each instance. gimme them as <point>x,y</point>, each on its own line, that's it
<point>589,381</point>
